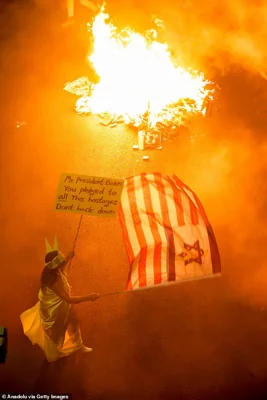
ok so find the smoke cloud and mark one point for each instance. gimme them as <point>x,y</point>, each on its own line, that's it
<point>219,33</point>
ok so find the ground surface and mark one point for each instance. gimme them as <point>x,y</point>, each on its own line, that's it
<point>203,340</point>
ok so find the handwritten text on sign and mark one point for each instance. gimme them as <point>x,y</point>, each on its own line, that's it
<point>89,195</point>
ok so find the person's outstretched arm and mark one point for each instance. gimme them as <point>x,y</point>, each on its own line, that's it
<point>61,292</point>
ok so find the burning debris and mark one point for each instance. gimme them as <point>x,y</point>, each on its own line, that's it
<point>20,124</point>
<point>139,85</point>
<point>81,87</point>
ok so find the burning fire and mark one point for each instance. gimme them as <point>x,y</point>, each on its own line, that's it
<point>136,78</point>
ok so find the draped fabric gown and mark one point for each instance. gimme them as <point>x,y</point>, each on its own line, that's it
<point>52,325</point>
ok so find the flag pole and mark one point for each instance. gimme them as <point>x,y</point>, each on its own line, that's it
<point>75,240</point>
<point>163,285</point>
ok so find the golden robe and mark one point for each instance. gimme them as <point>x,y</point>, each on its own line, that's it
<point>51,325</point>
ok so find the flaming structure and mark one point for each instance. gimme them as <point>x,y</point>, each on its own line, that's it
<point>139,83</point>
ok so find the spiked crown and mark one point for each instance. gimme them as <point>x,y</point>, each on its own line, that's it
<point>58,260</point>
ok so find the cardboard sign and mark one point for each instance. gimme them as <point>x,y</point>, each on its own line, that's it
<point>95,196</point>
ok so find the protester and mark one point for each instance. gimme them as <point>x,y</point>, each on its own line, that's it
<point>52,322</point>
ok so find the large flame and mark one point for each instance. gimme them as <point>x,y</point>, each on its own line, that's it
<point>137,75</point>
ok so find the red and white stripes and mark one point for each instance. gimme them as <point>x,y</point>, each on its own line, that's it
<point>165,230</point>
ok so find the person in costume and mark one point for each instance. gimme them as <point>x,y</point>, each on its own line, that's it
<point>52,323</point>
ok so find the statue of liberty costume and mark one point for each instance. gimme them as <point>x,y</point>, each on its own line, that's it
<point>49,323</point>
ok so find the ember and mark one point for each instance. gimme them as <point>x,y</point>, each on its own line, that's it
<point>139,84</point>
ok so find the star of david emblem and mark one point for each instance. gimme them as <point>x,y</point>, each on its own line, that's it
<point>192,253</point>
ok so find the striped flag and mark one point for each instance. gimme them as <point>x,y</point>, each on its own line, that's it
<point>166,232</point>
